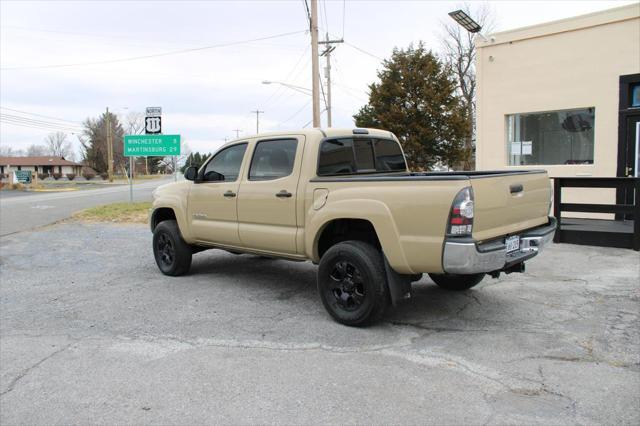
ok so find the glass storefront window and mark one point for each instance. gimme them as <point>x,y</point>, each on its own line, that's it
<point>553,137</point>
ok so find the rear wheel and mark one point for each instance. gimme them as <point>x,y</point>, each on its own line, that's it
<point>352,283</point>
<point>172,253</point>
<point>456,282</point>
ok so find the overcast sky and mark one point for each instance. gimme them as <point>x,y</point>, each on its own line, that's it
<point>206,94</point>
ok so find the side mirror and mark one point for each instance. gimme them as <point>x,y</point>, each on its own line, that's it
<point>191,173</point>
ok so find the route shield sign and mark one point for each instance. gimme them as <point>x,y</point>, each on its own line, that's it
<point>152,125</point>
<point>151,145</point>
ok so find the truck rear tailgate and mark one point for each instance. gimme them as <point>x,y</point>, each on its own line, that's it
<point>509,202</point>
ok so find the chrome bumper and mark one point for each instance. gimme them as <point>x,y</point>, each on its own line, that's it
<point>465,256</point>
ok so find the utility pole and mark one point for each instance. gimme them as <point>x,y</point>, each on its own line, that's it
<point>237,133</point>
<point>327,54</point>
<point>258,112</point>
<point>315,71</point>
<point>109,147</point>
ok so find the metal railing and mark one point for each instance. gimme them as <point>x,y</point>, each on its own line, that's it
<point>623,232</point>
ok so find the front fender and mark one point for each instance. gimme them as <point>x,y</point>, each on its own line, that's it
<point>176,201</point>
<point>374,211</point>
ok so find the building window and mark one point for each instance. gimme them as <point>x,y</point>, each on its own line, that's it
<point>635,95</point>
<point>554,137</point>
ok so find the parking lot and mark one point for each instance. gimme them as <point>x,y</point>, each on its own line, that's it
<point>91,332</point>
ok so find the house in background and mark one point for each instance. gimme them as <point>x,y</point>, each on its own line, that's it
<point>563,96</point>
<point>46,165</point>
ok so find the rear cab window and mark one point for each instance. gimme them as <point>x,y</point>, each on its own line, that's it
<point>347,156</point>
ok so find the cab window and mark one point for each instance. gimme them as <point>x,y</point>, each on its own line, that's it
<point>344,156</point>
<point>225,165</point>
<point>273,159</point>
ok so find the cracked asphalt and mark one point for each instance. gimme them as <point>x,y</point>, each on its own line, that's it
<point>91,332</point>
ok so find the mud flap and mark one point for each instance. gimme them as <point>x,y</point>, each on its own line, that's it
<point>399,285</point>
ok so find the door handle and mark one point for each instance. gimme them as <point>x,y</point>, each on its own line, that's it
<point>283,194</point>
<point>229,194</point>
<point>514,189</point>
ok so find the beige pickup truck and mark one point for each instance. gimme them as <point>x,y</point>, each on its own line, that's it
<point>345,200</point>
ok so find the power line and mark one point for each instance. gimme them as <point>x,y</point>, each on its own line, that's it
<point>344,6</point>
<point>363,51</point>
<point>326,20</point>
<point>306,6</point>
<point>40,115</point>
<point>295,113</point>
<point>157,55</point>
<point>34,121</point>
<point>38,126</point>
<point>281,89</point>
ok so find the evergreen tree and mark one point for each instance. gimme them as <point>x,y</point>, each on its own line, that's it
<point>94,143</point>
<point>416,99</point>
<point>194,159</point>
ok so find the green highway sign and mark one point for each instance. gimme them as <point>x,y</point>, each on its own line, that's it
<point>151,145</point>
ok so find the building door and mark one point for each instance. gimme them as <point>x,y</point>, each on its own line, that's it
<point>628,136</point>
<point>632,166</point>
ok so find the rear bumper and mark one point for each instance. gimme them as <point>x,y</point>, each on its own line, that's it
<point>466,256</point>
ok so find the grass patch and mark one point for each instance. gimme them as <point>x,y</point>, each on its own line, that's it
<point>116,212</point>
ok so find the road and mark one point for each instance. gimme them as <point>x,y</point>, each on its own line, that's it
<point>92,333</point>
<point>22,211</point>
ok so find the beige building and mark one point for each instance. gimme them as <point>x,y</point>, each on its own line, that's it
<point>563,96</point>
<point>45,165</point>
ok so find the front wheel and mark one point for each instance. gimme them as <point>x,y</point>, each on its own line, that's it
<point>172,253</point>
<point>352,283</point>
<point>456,282</point>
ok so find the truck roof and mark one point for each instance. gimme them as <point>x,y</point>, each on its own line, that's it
<point>312,133</point>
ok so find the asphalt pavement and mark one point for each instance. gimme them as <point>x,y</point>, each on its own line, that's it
<point>21,211</point>
<point>92,333</point>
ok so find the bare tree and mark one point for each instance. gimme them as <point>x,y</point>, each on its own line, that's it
<point>134,123</point>
<point>58,145</point>
<point>36,150</point>
<point>459,51</point>
<point>7,151</point>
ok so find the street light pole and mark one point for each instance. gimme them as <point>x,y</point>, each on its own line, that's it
<point>315,72</point>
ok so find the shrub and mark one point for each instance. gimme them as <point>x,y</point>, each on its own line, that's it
<point>71,176</point>
<point>104,176</point>
<point>17,186</point>
<point>88,175</point>
<point>4,175</point>
<point>42,176</point>
<point>57,176</point>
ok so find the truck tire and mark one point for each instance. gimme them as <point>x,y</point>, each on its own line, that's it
<point>352,283</point>
<point>455,282</point>
<point>172,253</point>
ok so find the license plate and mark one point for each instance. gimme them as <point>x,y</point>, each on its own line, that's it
<point>512,243</point>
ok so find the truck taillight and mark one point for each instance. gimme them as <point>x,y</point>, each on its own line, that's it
<point>461,216</point>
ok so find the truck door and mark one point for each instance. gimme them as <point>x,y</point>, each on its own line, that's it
<point>213,200</point>
<point>268,194</point>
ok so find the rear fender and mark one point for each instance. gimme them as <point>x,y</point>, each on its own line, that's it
<point>373,211</point>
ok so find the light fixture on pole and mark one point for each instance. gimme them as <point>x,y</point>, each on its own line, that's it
<point>290,86</point>
<point>467,22</point>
